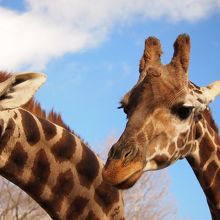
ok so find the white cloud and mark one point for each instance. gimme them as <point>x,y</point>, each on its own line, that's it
<point>48,29</point>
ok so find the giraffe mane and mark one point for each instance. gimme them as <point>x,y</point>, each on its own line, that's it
<point>35,108</point>
<point>208,116</point>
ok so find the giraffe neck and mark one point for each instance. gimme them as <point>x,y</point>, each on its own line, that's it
<point>55,168</point>
<point>205,161</point>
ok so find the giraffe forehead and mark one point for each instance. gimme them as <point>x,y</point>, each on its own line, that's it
<point>156,91</point>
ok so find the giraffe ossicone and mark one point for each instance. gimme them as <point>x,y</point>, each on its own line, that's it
<point>49,162</point>
<point>168,119</point>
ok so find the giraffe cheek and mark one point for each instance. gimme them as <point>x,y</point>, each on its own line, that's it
<point>157,162</point>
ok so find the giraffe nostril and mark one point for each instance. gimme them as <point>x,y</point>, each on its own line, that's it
<point>128,154</point>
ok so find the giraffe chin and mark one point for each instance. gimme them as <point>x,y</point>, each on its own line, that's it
<point>130,181</point>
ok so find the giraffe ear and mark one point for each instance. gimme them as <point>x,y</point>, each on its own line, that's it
<point>207,95</point>
<point>210,92</point>
<point>19,89</point>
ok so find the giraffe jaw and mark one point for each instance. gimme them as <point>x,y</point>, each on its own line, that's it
<point>130,181</point>
<point>122,176</point>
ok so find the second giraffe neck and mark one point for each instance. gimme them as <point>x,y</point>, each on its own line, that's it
<point>56,168</point>
<point>205,161</point>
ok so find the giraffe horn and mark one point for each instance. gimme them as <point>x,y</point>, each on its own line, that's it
<point>181,54</point>
<point>151,55</point>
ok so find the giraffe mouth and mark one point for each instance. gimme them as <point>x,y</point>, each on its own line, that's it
<point>129,181</point>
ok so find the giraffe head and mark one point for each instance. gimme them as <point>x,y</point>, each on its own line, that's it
<point>161,109</point>
<point>19,89</point>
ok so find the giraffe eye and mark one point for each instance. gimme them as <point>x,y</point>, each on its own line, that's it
<point>124,108</point>
<point>183,112</point>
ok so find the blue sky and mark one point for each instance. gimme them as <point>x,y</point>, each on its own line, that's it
<point>90,52</point>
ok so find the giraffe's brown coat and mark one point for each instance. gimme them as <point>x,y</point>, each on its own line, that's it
<point>106,196</point>
<point>16,162</point>
<point>91,216</point>
<point>186,149</point>
<point>217,139</point>
<point>15,115</point>
<point>213,192</point>
<point>198,132</point>
<point>65,147</point>
<point>209,173</point>
<point>64,183</point>
<point>1,126</point>
<point>160,160</point>
<point>210,130</point>
<point>63,187</point>
<point>141,138</point>
<point>216,187</point>
<point>9,130</point>
<point>171,148</point>
<point>30,127</point>
<point>181,140</point>
<point>218,153</point>
<point>49,129</point>
<point>88,167</point>
<point>206,149</point>
<point>46,205</point>
<point>40,173</point>
<point>76,208</point>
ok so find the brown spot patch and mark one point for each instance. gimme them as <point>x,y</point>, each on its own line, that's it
<point>49,129</point>
<point>15,115</point>
<point>161,160</point>
<point>1,126</point>
<point>209,173</point>
<point>218,153</point>
<point>30,127</point>
<point>171,148</point>
<point>9,130</point>
<point>76,208</point>
<point>198,132</point>
<point>92,216</point>
<point>40,173</point>
<point>63,187</point>
<point>206,149</point>
<point>88,167</point>
<point>163,139</point>
<point>106,196</point>
<point>180,142</point>
<point>64,183</point>
<point>186,150</point>
<point>65,147</point>
<point>16,161</point>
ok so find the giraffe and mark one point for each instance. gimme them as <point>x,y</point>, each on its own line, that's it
<point>168,119</point>
<point>49,162</point>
